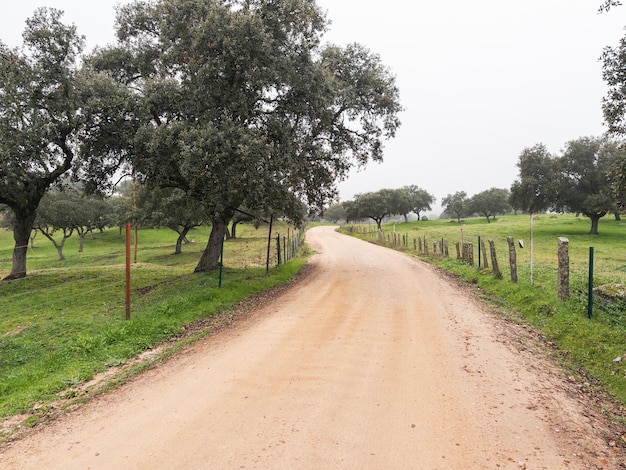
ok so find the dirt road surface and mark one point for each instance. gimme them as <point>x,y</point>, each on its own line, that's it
<point>372,361</point>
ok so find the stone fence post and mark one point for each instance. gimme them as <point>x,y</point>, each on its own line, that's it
<point>494,260</point>
<point>512,259</point>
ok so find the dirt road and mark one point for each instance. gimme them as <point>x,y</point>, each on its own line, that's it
<point>373,361</point>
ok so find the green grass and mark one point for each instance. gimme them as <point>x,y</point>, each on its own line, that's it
<point>65,321</point>
<point>587,346</point>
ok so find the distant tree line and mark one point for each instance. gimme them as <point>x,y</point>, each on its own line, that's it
<point>588,178</point>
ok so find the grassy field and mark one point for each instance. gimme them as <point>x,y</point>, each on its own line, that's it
<point>65,321</point>
<point>587,346</point>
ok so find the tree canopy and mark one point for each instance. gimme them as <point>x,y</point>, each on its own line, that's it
<point>241,106</point>
<point>54,118</point>
<point>490,202</point>
<point>577,181</point>
<point>584,184</point>
<point>373,205</point>
<point>420,199</point>
<point>456,204</point>
<point>536,188</point>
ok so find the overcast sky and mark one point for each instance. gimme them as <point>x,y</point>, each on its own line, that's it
<point>479,80</point>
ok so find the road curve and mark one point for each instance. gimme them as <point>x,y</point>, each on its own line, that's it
<point>373,361</point>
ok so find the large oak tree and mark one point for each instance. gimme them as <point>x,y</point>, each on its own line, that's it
<point>584,183</point>
<point>577,181</point>
<point>55,118</point>
<point>242,106</point>
<point>536,188</point>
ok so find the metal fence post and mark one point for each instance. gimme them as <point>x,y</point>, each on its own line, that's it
<point>221,261</point>
<point>563,273</point>
<point>590,292</point>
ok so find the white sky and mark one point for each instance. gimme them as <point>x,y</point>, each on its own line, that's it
<point>479,80</point>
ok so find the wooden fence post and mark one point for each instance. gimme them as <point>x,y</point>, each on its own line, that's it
<point>494,260</point>
<point>563,274</point>
<point>470,254</point>
<point>512,258</point>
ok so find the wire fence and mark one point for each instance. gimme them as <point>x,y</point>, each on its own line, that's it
<point>95,279</point>
<point>599,283</point>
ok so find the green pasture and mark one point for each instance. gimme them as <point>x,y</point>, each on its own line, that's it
<point>65,321</point>
<point>588,347</point>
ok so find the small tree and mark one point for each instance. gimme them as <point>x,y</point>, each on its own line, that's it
<point>376,206</point>
<point>171,208</point>
<point>336,212</point>
<point>55,214</point>
<point>536,189</point>
<point>489,203</point>
<point>456,204</point>
<point>421,199</point>
<point>401,203</point>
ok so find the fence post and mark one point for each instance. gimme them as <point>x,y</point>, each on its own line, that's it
<point>494,260</point>
<point>221,262</point>
<point>127,271</point>
<point>278,247</point>
<point>479,252</point>
<point>470,254</point>
<point>563,274</point>
<point>425,246</point>
<point>269,245</point>
<point>485,262</point>
<point>590,287</point>
<point>458,249</point>
<point>512,259</point>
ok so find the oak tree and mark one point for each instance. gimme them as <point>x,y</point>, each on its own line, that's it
<point>490,202</point>
<point>456,204</point>
<point>242,106</point>
<point>536,188</point>
<point>55,118</point>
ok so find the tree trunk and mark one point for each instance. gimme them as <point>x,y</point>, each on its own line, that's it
<point>594,224</point>
<point>32,239</point>
<point>617,216</point>
<point>210,259</point>
<point>81,244</point>
<point>21,235</point>
<point>58,246</point>
<point>182,235</point>
<point>233,230</point>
